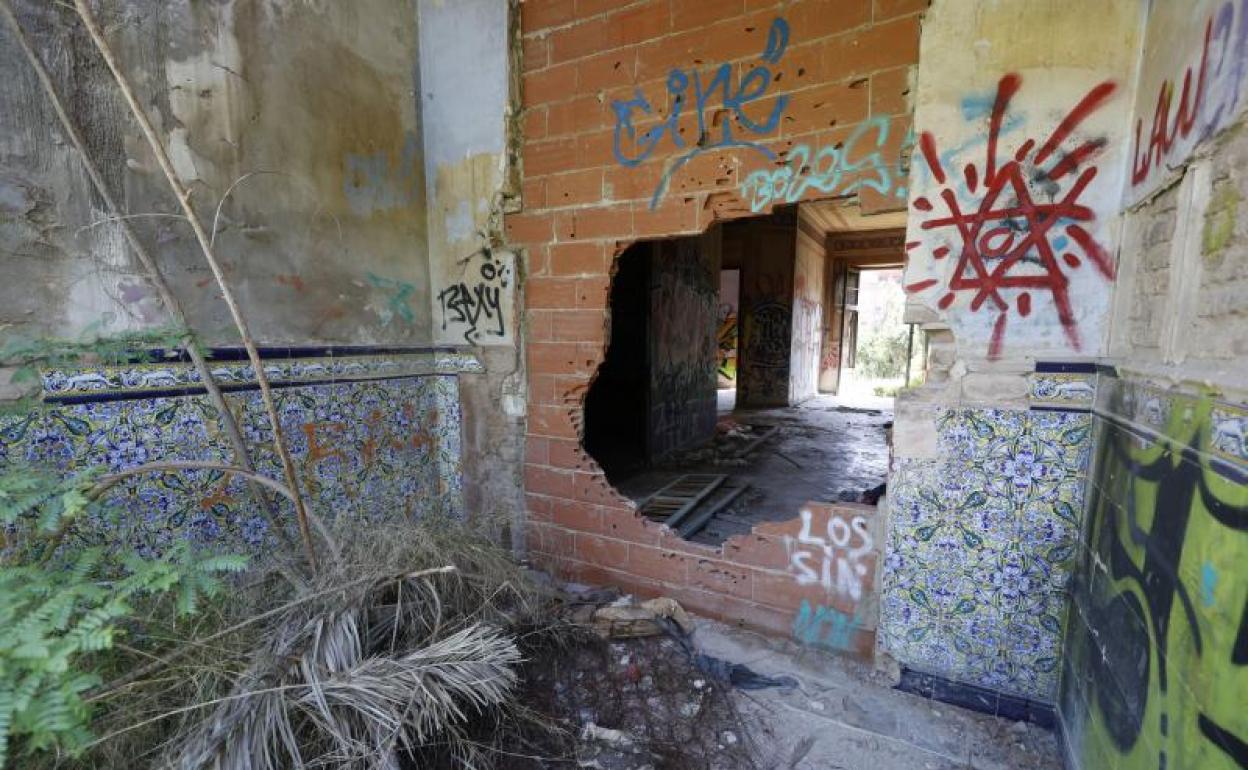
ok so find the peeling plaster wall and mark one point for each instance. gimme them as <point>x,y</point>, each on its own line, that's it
<point>295,124</point>
<point>1191,86</point>
<point>308,110</point>
<point>464,57</point>
<point>466,62</point>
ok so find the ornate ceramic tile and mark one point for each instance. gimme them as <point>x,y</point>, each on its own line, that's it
<point>165,376</point>
<point>370,448</point>
<point>1229,431</point>
<point>981,547</point>
<point>1063,389</point>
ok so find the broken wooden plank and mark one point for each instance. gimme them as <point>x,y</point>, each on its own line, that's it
<point>712,484</point>
<point>676,495</point>
<point>750,447</point>
<point>695,524</point>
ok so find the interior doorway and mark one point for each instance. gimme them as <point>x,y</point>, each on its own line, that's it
<point>727,337</point>
<point>883,354</point>
<point>711,409</point>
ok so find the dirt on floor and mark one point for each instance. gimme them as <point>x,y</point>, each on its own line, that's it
<point>632,705</point>
<point>727,699</point>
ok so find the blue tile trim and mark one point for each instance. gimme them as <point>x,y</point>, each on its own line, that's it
<point>1075,409</point>
<point>981,699</point>
<point>1051,367</point>
<point>154,379</point>
<point>277,352</point>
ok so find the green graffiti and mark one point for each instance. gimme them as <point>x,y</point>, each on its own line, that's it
<point>1220,219</point>
<point>1158,662</point>
<point>398,301</point>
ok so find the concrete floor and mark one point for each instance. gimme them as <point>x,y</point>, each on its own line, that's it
<point>826,449</point>
<point>845,716</point>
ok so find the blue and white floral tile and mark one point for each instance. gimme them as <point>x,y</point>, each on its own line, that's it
<point>981,547</point>
<point>1070,390</point>
<point>1229,433</point>
<point>365,449</point>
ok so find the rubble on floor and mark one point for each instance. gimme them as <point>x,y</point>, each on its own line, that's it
<point>648,696</point>
<point>773,461</point>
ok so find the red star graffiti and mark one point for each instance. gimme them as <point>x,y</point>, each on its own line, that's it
<point>1012,243</point>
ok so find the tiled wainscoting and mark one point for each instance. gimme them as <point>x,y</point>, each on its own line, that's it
<point>374,434</point>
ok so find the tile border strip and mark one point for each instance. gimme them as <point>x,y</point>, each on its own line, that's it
<point>175,377</point>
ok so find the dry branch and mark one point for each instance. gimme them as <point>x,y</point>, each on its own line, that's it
<point>167,297</point>
<point>205,243</point>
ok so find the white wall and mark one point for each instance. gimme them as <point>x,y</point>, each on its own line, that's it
<point>1069,65</point>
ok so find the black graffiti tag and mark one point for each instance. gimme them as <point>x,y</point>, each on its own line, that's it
<point>477,306</point>
<point>1180,475</point>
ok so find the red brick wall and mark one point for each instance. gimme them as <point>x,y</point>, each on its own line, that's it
<point>844,73</point>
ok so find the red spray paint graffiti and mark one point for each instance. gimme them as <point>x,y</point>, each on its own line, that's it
<point>1161,139</point>
<point>1011,241</point>
<point>1207,98</point>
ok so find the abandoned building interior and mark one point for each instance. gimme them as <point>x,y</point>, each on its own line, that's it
<point>883,363</point>
<point>715,407</point>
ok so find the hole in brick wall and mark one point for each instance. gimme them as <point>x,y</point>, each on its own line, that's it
<point>750,369</point>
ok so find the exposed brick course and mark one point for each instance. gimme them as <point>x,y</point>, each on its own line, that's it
<point>846,61</point>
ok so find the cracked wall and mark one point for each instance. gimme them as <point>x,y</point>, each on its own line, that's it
<point>306,115</point>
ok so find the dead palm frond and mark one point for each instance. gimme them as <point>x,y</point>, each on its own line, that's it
<point>404,645</point>
<point>336,707</point>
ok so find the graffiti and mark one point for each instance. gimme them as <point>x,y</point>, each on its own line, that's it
<point>1153,632</point>
<point>807,337</point>
<point>763,366</point>
<point>477,304</point>
<point>826,627</point>
<point>324,440</point>
<point>633,146</point>
<point>398,301</point>
<point>767,335</point>
<point>838,561</point>
<point>726,341</point>
<point>831,169</point>
<point>682,344</point>
<point>1010,241</point>
<point>1206,101</point>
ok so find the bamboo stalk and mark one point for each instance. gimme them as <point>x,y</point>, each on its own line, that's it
<point>205,244</point>
<point>174,308</point>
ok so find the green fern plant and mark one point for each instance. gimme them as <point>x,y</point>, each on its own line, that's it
<point>27,356</point>
<point>62,605</point>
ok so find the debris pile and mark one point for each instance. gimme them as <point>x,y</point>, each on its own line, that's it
<point>631,692</point>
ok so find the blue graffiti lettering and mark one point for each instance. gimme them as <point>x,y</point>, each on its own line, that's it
<point>825,627</point>
<point>831,169</point>
<point>632,146</point>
